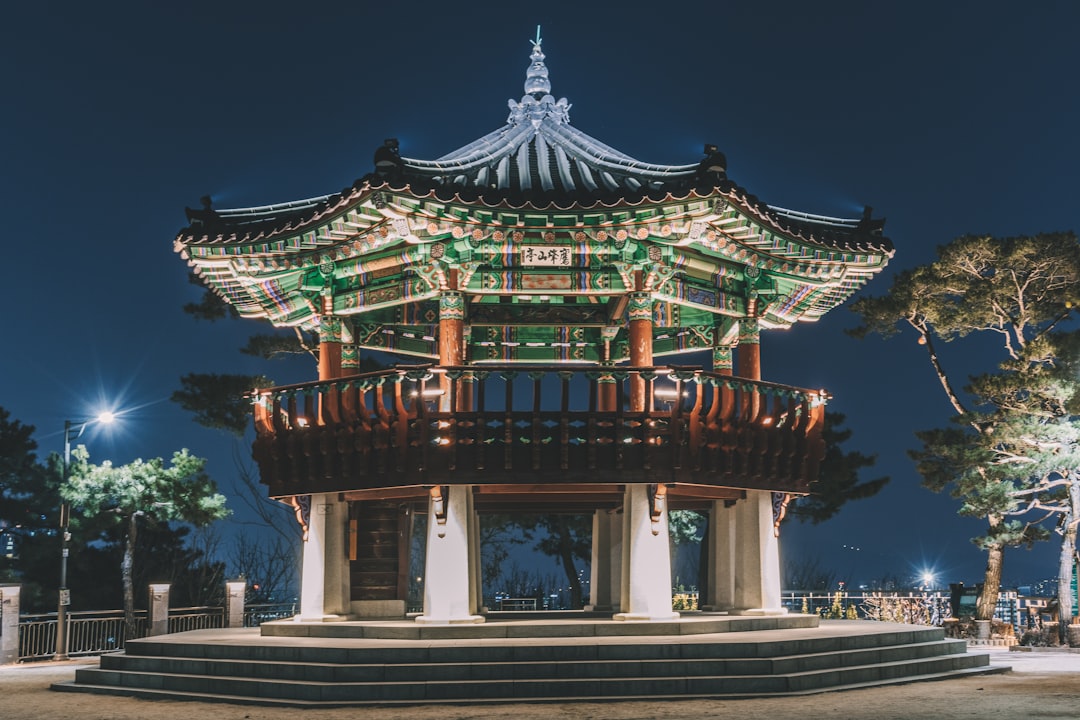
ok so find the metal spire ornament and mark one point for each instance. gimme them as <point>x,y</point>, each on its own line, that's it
<point>537,83</point>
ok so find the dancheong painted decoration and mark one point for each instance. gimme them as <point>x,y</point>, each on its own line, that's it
<point>527,283</point>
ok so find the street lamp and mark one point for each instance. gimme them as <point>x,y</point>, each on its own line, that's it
<point>65,537</point>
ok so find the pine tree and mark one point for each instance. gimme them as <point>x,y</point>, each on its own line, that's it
<point>142,492</point>
<point>1016,290</point>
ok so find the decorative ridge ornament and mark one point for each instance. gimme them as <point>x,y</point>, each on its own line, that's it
<point>538,102</point>
<point>536,77</point>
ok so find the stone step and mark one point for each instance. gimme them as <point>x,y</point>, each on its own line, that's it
<point>385,671</point>
<point>541,624</point>
<point>529,649</point>
<point>546,664</point>
<point>415,690</point>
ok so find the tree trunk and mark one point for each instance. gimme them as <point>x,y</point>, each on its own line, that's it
<point>127,576</point>
<point>1066,559</point>
<point>995,559</point>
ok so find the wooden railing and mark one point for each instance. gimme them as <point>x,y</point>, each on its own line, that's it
<point>416,425</point>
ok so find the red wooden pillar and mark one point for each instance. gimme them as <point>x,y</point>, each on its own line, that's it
<point>329,347</point>
<point>722,358</point>
<point>452,343</point>
<point>639,321</point>
<point>749,349</point>
<point>329,368</point>
<point>749,362</point>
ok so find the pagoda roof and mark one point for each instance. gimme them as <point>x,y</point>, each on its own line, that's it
<point>536,160</point>
<point>534,179</point>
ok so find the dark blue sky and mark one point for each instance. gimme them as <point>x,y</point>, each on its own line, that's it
<point>948,118</point>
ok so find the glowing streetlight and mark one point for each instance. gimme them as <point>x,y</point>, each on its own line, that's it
<point>65,537</point>
<point>928,579</point>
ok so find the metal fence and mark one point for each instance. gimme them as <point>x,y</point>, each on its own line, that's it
<point>196,618</point>
<point>868,605</point>
<point>89,633</point>
<point>863,604</point>
<point>99,632</point>
<point>258,613</point>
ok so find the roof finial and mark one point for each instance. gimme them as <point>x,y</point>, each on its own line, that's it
<point>536,77</point>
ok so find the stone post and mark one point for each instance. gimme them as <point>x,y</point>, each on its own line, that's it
<point>757,560</point>
<point>448,590</point>
<point>324,574</point>
<point>9,624</point>
<point>721,557</point>
<point>600,566</point>
<point>158,609</point>
<point>648,559</point>
<point>234,602</point>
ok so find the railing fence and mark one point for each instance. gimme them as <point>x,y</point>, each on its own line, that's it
<point>99,632</point>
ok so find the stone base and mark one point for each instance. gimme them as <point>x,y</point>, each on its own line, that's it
<point>644,616</point>
<point>466,620</point>
<point>332,665</point>
<point>758,611</point>
<point>371,609</point>
<point>319,618</point>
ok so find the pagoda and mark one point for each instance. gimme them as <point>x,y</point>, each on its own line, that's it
<point>534,279</point>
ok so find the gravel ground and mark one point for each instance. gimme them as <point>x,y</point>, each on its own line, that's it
<point>1042,684</point>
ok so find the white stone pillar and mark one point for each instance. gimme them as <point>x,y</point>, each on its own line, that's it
<point>9,624</point>
<point>447,580</point>
<point>159,609</point>
<point>648,584</point>
<point>324,575</point>
<point>757,557</point>
<point>601,562</point>
<point>234,602</point>
<point>476,566</point>
<point>615,560</point>
<point>722,540</point>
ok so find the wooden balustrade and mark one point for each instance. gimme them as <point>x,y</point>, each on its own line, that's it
<point>427,425</point>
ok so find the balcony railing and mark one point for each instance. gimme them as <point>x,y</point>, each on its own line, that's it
<point>414,425</point>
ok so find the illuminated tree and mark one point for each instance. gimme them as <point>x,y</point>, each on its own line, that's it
<point>1016,290</point>
<point>148,492</point>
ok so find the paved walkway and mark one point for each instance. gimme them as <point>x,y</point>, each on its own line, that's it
<point>1042,684</point>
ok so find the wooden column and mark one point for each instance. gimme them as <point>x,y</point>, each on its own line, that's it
<point>329,347</point>
<point>350,353</point>
<point>749,349</point>
<point>451,339</point>
<point>749,359</point>
<point>722,359</point>
<point>639,322</point>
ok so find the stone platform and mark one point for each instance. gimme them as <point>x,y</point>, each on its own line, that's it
<point>551,660</point>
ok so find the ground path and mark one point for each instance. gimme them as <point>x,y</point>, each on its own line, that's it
<point>1043,684</point>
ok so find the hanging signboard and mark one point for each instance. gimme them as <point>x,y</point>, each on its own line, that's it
<point>545,256</point>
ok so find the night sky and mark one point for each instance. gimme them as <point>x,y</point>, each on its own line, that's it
<point>948,118</point>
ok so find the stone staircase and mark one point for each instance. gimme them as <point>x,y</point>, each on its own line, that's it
<point>404,664</point>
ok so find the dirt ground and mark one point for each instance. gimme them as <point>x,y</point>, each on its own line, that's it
<point>1041,685</point>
